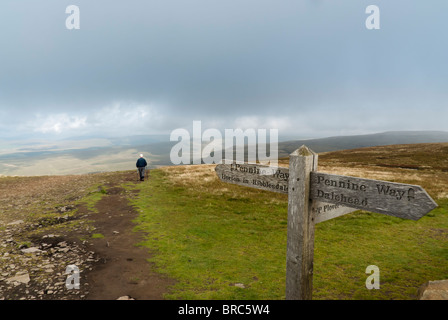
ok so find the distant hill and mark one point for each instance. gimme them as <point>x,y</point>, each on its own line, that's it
<point>419,156</point>
<point>362,141</point>
<point>162,149</point>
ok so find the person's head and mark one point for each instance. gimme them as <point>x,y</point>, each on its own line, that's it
<point>141,156</point>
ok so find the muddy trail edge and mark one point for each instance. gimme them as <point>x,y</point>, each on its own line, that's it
<point>122,269</point>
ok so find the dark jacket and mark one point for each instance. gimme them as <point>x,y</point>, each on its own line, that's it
<point>141,163</point>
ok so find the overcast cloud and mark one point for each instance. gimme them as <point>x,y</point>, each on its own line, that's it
<point>308,68</point>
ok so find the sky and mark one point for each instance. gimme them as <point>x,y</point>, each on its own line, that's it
<point>309,68</point>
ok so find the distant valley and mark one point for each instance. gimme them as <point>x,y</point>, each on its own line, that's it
<point>90,155</point>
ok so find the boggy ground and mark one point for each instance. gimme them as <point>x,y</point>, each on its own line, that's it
<point>48,223</point>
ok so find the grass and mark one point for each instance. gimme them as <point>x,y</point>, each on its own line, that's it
<point>222,241</point>
<point>407,253</point>
<point>96,193</point>
<point>210,243</point>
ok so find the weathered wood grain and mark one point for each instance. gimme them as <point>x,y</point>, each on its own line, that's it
<point>255,176</point>
<point>395,199</point>
<point>324,211</point>
<point>300,234</point>
<point>274,179</point>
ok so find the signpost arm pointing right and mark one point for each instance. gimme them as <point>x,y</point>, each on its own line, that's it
<point>300,234</point>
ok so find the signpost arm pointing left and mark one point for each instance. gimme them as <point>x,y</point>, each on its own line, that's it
<point>300,235</point>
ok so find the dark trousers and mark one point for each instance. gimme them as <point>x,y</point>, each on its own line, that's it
<point>141,172</point>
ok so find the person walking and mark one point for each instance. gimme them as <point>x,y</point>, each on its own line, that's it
<point>141,166</point>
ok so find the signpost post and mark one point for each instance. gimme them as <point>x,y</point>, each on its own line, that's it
<point>300,234</point>
<point>314,197</point>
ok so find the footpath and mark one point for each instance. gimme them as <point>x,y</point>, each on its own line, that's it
<point>39,239</point>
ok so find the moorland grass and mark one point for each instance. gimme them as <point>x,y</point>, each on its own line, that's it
<point>223,241</point>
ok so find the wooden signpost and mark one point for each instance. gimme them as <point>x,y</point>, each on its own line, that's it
<point>274,179</point>
<point>395,199</point>
<point>314,197</point>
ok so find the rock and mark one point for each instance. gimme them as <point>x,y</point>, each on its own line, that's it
<point>240,285</point>
<point>64,209</point>
<point>434,290</point>
<point>31,250</point>
<point>23,278</point>
<point>15,223</point>
<point>125,298</point>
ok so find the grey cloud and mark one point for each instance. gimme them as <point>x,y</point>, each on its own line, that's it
<point>222,61</point>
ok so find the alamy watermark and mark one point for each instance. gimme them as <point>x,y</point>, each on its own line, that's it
<point>72,281</point>
<point>373,280</point>
<point>210,146</point>
<point>73,20</point>
<point>373,20</point>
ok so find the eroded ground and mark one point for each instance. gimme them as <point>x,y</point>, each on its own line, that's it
<point>49,223</point>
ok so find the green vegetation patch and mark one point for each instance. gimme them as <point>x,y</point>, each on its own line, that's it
<point>230,243</point>
<point>96,193</point>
